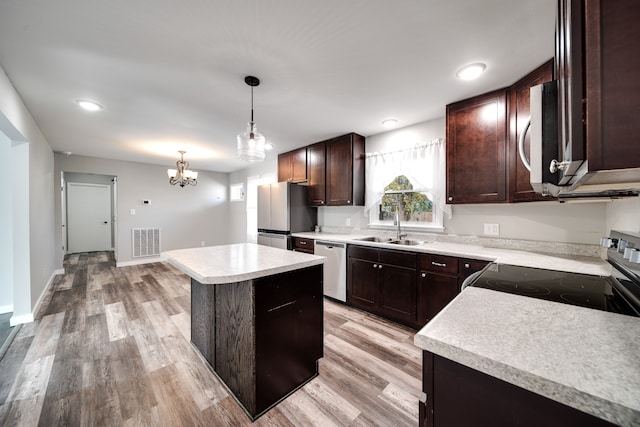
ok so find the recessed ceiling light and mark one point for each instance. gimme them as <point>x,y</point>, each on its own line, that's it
<point>89,105</point>
<point>471,72</point>
<point>268,146</point>
<point>390,123</point>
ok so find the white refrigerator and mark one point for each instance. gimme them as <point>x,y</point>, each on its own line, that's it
<point>283,209</point>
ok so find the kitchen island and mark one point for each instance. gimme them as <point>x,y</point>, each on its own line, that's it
<point>256,317</point>
<point>495,358</point>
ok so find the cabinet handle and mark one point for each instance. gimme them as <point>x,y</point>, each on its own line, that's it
<point>380,266</point>
<point>466,266</point>
<point>438,264</point>
<point>348,201</point>
<point>424,275</point>
<point>451,199</point>
<point>375,265</point>
<point>303,243</point>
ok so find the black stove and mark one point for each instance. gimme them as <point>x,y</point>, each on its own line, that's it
<point>618,293</point>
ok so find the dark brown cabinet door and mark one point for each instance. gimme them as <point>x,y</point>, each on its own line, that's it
<point>611,64</point>
<point>520,189</point>
<point>288,333</point>
<point>299,164</point>
<point>316,161</point>
<point>468,267</point>
<point>345,170</point>
<point>363,284</point>
<point>284,167</point>
<point>398,293</point>
<point>476,149</point>
<point>292,166</point>
<point>437,290</point>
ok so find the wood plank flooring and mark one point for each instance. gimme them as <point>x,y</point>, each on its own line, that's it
<point>111,347</point>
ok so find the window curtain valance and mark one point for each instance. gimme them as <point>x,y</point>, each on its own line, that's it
<point>423,165</point>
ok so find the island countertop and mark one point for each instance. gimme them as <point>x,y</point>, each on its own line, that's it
<point>237,262</point>
<point>581,357</point>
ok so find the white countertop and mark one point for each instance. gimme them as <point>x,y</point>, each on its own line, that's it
<point>238,262</point>
<point>584,358</point>
<point>574,264</point>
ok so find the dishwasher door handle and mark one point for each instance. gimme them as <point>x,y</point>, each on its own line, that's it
<point>330,245</point>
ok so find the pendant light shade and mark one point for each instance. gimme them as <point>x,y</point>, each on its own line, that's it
<point>250,142</point>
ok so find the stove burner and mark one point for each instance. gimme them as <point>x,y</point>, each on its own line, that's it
<point>521,288</point>
<point>584,300</point>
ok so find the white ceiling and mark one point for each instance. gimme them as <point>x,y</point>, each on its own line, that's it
<point>170,74</point>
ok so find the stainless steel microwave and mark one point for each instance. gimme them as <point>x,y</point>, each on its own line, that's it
<point>556,167</point>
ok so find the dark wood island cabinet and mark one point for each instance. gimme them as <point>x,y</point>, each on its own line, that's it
<point>258,322</point>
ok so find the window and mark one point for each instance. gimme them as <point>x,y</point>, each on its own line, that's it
<point>415,207</point>
<point>411,181</point>
<point>236,192</point>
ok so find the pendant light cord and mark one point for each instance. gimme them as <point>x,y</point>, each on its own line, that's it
<point>251,103</point>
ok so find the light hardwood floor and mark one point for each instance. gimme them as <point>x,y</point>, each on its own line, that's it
<point>111,346</point>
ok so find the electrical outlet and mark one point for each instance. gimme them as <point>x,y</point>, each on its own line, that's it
<point>133,211</point>
<point>348,222</point>
<point>202,243</point>
<point>492,229</point>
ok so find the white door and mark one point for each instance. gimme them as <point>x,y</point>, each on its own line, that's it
<point>88,217</point>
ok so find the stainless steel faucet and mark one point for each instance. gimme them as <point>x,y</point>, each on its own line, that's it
<point>396,220</point>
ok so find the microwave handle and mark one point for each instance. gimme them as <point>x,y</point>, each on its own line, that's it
<point>523,135</point>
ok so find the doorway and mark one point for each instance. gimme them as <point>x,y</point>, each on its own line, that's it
<point>88,212</point>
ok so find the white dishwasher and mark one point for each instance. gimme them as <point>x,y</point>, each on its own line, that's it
<point>335,268</point>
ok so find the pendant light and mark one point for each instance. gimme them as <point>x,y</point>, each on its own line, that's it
<point>250,142</point>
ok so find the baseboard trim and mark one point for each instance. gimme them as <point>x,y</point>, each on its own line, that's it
<point>29,317</point>
<point>139,262</point>
<point>6,309</point>
<point>20,320</point>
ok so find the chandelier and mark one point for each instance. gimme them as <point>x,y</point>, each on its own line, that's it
<point>250,142</point>
<point>182,175</point>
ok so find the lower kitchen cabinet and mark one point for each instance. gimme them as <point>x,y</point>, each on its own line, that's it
<point>301,244</point>
<point>398,293</point>
<point>383,282</point>
<point>456,395</point>
<point>440,281</point>
<point>389,284</point>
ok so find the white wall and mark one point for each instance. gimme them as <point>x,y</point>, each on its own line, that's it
<point>32,202</point>
<point>187,216</point>
<point>624,215</point>
<point>6,229</point>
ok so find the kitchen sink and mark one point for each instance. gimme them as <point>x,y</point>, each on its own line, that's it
<point>376,239</point>
<point>406,242</point>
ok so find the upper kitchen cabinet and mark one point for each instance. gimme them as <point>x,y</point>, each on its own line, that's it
<point>336,171</point>
<point>292,166</point>
<point>597,63</point>
<point>520,189</point>
<point>345,170</point>
<point>316,171</point>
<point>476,149</point>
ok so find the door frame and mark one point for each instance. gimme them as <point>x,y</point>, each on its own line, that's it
<point>113,201</point>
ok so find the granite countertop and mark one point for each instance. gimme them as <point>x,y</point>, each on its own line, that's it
<point>583,358</point>
<point>237,262</point>
<point>574,264</point>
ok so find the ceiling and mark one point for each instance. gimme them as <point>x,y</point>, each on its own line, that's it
<point>170,74</point>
